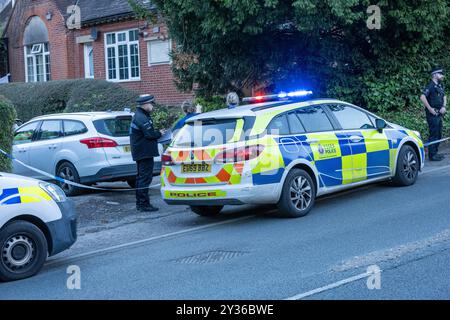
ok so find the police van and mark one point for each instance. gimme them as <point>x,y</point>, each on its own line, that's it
<point>284,150</point>
<point>36,221</point>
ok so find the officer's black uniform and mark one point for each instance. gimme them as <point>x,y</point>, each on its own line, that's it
<point>144,146</point>
<point>435,93</point>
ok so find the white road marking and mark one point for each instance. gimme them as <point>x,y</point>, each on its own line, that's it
<point>330,286</point>
<point>436,169</point>
<point>138,242</point>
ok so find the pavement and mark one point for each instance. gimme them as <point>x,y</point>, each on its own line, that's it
<point>249,253</point>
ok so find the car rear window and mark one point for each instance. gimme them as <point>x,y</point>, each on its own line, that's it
<point>114,127</point>
<point>206,133</point>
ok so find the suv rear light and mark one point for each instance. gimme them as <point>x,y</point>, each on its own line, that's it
<point>98,142</point>
<point>166,160</point>
<point>239,154</point>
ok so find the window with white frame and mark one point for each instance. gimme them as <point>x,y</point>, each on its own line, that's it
<point>37,62</point>
<point>159,52</point>
<point>122,55</point>
<point>88,60</point>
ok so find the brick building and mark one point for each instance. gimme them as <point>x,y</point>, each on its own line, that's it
<point>108,43</point>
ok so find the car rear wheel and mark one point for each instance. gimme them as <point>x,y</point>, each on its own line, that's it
<point>298,195</point>
<point>23,251</point>
<point>68,172</point>
<point>407,167</point>
<point>207,211</point>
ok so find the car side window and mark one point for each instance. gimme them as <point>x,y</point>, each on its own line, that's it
<point>72,128</point>
<point>279,126</point>
<point>295,125</point>
<point>50,129</point>
<point>314,119</point>
<point>351,118</point>
<point>25,134</point>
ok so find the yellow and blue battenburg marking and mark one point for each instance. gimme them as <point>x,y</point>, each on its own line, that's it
<point>338,159</point>
<point>23,195</point>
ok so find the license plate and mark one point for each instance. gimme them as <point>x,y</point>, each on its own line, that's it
<point>127,149</point>
<point>196,168</point>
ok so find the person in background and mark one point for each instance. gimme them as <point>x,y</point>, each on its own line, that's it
<point>189,111</point>
<point>232,100</point>
<point>144,147</point>
<point>435,102</point>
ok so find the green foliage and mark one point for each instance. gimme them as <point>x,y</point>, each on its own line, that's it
<point>164,117</point>
<point>35,99</point>
<point>211,104</point>
<point>325,46</point>
<point>7,114</point>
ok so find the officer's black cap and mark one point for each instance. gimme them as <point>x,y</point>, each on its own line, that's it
<point>437,70</point>
<point>145,99</point>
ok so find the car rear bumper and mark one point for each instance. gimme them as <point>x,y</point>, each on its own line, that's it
<point>114,173</point>
<point>63,232</point>
<point>220,194</point>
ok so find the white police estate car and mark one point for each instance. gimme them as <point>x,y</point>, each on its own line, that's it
<point>36,221</point>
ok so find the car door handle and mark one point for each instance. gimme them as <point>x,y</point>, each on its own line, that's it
<point>312,141</point>
<point>22,151</point>
<point>356,139</point>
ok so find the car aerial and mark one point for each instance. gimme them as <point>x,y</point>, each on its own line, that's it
<point>84,148</point>
<point>284,150</point>
<point>36,221</point>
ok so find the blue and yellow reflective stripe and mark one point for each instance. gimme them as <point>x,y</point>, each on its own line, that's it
<point>23,195</point>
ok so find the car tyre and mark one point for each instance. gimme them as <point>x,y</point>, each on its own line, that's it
<point>298,194</point>
<point>207,211</point>
<point>408,166</point>
<point>67,171</point>
<point>23,251</point>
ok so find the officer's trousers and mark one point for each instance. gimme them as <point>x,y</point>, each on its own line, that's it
<point>143,180</point>
<point>435,125</point>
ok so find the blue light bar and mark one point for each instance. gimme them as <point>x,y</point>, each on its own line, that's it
<point>280,96</point>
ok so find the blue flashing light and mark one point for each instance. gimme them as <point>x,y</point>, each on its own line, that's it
<point>280,96</point>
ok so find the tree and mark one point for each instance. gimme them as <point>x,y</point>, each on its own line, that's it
<point>321,45</point>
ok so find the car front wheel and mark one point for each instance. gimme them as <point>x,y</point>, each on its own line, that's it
<point>407,167</point>
<point>23,251</point>
<point>298,195</point>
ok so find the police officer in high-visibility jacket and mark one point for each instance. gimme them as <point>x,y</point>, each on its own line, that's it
<point>144,147</point>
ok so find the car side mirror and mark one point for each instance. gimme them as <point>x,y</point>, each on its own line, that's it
<point>380,124</point>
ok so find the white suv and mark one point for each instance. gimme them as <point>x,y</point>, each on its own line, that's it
<point>82,147</point>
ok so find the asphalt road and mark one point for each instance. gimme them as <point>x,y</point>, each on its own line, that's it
<point>247,253</point>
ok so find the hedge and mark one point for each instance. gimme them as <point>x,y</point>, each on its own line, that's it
<point>36,99</point>
<point>83,95</point>
<point>7,116</point>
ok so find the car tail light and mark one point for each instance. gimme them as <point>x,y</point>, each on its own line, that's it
<point>166,160</point>
<point>240,154</point>
<point>98,142</point>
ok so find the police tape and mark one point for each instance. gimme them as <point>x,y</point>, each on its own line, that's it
<point>435,142</point>
<point>78,185</point>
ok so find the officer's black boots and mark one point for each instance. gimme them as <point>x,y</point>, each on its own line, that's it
<point>437,157</point>
<point>148,208</point>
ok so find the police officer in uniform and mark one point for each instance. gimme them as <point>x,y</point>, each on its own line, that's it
<point>435,102</point>
<point>144,147</point>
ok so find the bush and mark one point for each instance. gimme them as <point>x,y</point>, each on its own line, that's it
<point>211,104</point>
<point>35,99</point>
<point>99,95</point>
<point>7,114</point>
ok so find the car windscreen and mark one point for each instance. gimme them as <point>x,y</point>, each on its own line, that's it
<point>114,127</point>
<point>206,133</point>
